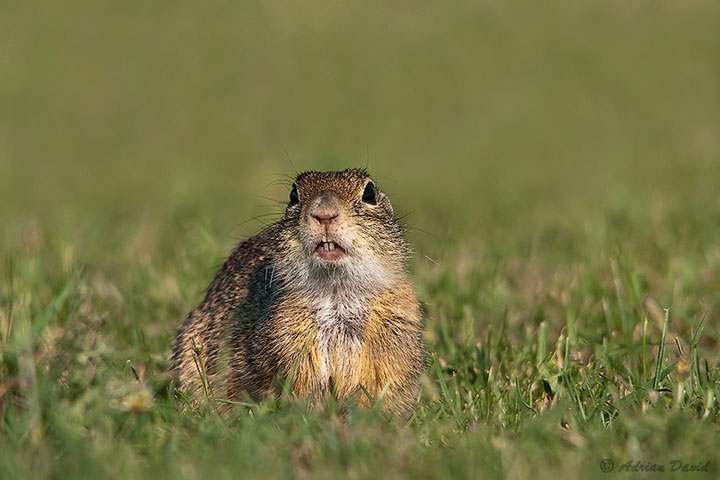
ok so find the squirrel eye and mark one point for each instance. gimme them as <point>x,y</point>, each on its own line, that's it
<point>369,194</point>
<point>294,195</point>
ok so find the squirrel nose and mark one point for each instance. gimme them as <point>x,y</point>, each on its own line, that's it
<point>324,218</point>
<point>325,210</point>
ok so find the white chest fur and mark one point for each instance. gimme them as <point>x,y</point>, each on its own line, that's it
<point>339,334</point>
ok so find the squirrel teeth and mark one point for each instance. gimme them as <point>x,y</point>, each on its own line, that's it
<point>329,251</point>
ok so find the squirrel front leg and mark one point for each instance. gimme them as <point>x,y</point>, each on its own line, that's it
<point>393,355</point>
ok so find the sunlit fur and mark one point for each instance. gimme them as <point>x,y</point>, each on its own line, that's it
<point>276,309</point>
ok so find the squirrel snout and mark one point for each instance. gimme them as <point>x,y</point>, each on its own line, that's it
<point>325,209</point>
<point>324,219</point>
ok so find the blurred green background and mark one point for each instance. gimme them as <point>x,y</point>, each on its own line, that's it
<point>460,108</point>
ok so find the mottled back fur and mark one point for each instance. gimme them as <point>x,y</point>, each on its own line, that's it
<point>320,298</point>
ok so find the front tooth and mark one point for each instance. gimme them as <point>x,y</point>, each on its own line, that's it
<point>326,246</point>
<point>332,246</point>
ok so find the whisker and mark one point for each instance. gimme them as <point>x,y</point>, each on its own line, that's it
<point>283,182</point>
<point>408,227</point>
<point>402,217</point>
<point>280,174</point>
<point>433,261</point>
<point>287,155</point>
<point>273,200</point>
<point>255,218</point>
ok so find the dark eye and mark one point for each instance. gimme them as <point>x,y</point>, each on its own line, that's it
<point>293,195</point>
<point>369,194</point>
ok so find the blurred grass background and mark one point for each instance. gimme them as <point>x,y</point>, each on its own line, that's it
<point>562,102</point>
<point>559,162</point>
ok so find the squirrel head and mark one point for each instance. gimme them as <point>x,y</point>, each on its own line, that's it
<point>339,231</point>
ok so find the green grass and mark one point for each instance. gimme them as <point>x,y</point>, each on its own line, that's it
<point>558,164</point>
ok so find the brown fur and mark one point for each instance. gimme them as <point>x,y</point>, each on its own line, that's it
<point>276,309</point>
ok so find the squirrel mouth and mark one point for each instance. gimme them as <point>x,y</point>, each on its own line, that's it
<point>329,251</point>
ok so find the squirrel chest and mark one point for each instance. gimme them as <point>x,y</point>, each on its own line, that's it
<point>338,342</point>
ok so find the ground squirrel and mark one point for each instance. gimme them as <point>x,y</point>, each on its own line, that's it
<point>321,298</point>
